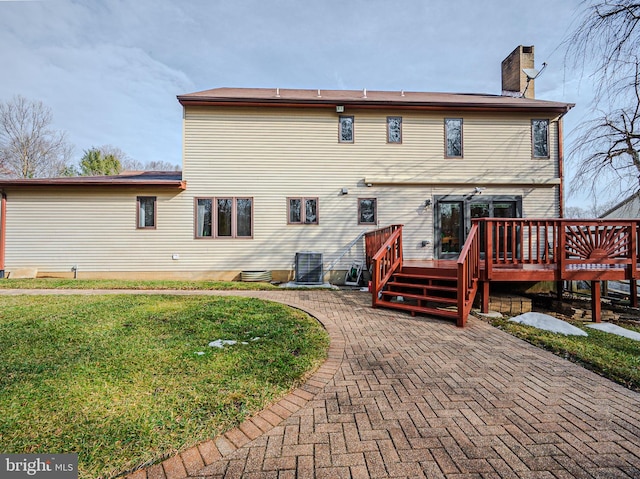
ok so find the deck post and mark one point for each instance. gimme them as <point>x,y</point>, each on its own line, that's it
<point>560,253</point>
<point>484,296</point>
<point>559,288</point>
<point>595,301</point>
<point>488,254</point>
<point>633,292</point>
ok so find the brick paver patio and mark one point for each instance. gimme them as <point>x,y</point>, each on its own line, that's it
<point>418,397</point>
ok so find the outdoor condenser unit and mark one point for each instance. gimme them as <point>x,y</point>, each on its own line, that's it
<point>309,267</point>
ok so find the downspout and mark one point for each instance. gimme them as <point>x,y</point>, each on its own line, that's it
<point>3,227</point>
<point>561,168</point>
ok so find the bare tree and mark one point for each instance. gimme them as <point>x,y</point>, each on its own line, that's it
<point>136,165</point>
<point>592,210</point>
<point>29,148</point>
<point>161,166</point>
<point>128,163</point>
<point>117,153</point>
<point>606,149</point>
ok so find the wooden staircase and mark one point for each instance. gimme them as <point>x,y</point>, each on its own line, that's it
<point>429,291</point>
<point>446,291</point>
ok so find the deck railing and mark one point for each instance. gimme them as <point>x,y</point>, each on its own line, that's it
<point>387,258</point>
<point>523,249</point>
<point>468,274</point>
<point>373,240</point>
<point>572,248</point>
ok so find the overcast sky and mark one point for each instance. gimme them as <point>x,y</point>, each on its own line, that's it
<point>111,69</point>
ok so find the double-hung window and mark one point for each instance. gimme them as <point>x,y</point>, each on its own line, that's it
<point>453,137</point>
<point>540,138</point>
<point>146,214</point>
<point>302,211</point>
<point>230,217</point>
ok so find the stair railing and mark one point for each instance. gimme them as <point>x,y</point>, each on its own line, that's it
<point>468,274</point>
<point>386,261</point>
<point>374,240</point>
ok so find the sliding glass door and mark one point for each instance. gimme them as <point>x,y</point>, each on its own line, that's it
<point>453,216</point>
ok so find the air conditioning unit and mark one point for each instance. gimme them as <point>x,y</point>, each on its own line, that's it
<point>309,268</point>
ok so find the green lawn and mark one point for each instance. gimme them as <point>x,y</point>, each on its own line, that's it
<point>53,283</point>
<point>118,379</point>
<point>614,357</point>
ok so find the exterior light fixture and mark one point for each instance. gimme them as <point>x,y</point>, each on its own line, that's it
<point>339,108</point>
<point>427,203</point>
<point>344,191</point>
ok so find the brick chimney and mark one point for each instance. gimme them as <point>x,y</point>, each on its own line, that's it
<point>514,80</point>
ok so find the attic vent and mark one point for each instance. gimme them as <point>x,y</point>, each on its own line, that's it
<point>309,267</point>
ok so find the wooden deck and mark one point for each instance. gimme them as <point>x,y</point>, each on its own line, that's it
<point>519,250</point>
<point>525,272</point>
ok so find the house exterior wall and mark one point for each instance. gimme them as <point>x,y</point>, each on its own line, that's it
<point>271,154</point>
<point>274,153</point>
<point>54,229</point>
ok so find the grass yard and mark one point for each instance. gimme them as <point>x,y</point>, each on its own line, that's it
<point>120,381</point>
<point>54,283</point>
<point>614,357</point>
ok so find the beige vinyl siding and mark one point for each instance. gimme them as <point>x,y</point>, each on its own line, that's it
<point>271,154</point>
<point>274,153</point>
<point>54,229</point>
<point>271,142</point>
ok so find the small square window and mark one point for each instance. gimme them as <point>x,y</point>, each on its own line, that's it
<point>346,129</point>
<point>540,138</point>
<point>453,137</point>
<point>303,211</point>
<point>367,211</point>
<point>394,129</point>
<point>146,212</point>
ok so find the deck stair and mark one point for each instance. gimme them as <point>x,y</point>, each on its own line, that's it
<point>432,292</point>
<point>445,289</point>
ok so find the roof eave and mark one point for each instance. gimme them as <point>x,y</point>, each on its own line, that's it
<point>180,184</point>
<point>186,100</point>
